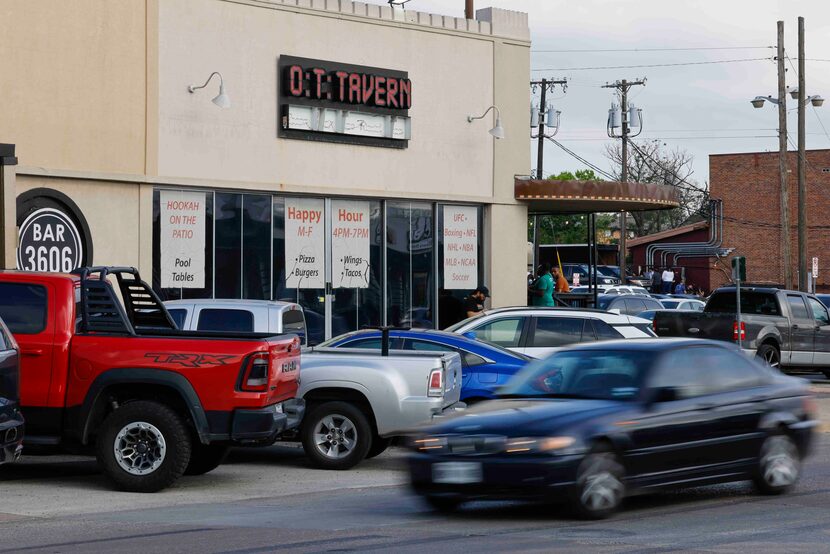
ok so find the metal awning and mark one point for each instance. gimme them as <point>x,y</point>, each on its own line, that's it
<point>549,196</point>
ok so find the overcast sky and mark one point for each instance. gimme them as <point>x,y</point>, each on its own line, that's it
<point>700,108</point>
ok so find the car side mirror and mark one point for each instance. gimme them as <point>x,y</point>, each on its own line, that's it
<point>665,394</point>
<point>470,335</point>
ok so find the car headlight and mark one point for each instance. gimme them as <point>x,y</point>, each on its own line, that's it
<point>530,445</point>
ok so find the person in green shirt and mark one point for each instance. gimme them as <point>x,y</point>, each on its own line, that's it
<point>542,289</point>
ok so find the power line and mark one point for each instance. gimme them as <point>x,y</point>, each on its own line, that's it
<point>678,138</point>
<point>653,49</point>
<point>652,65</point>
<point>820,122</point>
<point>583,160</point>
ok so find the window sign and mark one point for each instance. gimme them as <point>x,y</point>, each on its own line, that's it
<point>182,217</point>
<point>304,243</point>
<point>350,244</point>
<point>460,247</point>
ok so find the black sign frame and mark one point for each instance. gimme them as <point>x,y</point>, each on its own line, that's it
<point>284,99</point>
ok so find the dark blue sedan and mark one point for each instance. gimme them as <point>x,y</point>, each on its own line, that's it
<point>485,366</point>
<point>596,422</point>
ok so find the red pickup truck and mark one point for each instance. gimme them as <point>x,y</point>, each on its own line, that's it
<point>105,370</point>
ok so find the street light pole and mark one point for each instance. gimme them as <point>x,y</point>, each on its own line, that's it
<point>623,87</point>
<point>802,176</point>
<point>786,253</point>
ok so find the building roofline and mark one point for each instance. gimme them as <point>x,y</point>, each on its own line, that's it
<point>669,233</point>
<point>770,153</point>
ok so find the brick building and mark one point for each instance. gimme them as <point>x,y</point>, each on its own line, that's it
<point>695,270</point>
<point>749,186</point>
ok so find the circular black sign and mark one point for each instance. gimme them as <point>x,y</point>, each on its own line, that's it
<point>49,241</point>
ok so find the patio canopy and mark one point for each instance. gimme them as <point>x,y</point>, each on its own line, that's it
<point>550,196</point>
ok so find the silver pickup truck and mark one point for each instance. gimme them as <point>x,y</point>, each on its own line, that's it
<point>356,400</point>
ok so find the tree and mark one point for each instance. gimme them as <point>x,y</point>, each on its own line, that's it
<point>569,229</point>
<point>653,162</point>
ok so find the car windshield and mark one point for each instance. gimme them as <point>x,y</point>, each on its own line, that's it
<point>608,271</point>
<point>454,327</point>
<point>594,374</point>
<point>670,304</point>
<point>603,301</point>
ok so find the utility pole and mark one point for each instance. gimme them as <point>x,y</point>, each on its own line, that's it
<point>544,120</point>
<point>623,87</point>
<point>802,176</point>
<point>786,253</point>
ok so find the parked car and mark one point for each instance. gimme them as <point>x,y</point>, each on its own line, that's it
<point>485,366</point>
<point>614,271</point>
<point>11,420</point>
<point>537,332</point>
<point>683,304</point>
<point>824,299</point>
<point>594,423</point>
<point>367,396</point>
<point>569,269</point>
<point>612,289</point>
<point>628,304</point>
<point>788,329</point>
<point>120,380</point>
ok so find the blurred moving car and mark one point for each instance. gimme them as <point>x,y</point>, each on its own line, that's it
<point>11,420</point>
<point>628,304</point>
<point>683,305</point>
<point>594,423</point>
<point>537,332</point>
<point>485,366</point>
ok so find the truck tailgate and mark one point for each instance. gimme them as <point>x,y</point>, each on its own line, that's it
<point>715,326</point>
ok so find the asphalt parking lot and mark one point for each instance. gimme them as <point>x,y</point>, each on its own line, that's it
<point>270,499</point>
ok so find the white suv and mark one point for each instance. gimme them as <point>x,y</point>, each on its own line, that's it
<point>537,332</point>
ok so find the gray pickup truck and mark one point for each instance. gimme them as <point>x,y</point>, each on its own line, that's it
<point>788,329</point>
<point>356,400</point>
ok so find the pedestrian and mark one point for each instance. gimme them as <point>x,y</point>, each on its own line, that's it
<point>668,280</point>
<point>681,287</point>
<point>648,275</point>
<point>542,290</point>
<point>474,303</point>
<point>561,284</point>
<point>656,281</point>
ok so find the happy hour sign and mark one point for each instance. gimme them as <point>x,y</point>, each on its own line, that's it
<point>304,243</point>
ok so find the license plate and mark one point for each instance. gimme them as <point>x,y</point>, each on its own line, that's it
<point>457,473</point>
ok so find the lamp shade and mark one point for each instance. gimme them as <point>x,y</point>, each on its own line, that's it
<point>222,100</point>
<point>817,101</point>
<point>498,130</point>
<point>758,102</point>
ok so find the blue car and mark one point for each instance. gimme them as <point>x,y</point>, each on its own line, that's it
<point>485,366</point>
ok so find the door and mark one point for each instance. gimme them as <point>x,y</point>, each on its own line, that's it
<point>549,334</point>
<point>24,308</point>
<point>802,331</point>
<point>821,338</point>
<point>670,439</point>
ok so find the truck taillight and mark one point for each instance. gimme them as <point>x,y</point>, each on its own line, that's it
<point>735,328</point>
<point>436,383</point>
<point>255,378</point>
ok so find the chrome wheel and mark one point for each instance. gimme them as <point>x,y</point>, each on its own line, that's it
<point>335,436</point>
<point>602,491</point>
<point>139,448</point>
<point>779,462</point>
<point>771,357</point>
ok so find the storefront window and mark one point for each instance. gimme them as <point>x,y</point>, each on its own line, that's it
<point>410,264</point>
<point>245,249</point>
<point>256,246</point>
<point>228,226</point>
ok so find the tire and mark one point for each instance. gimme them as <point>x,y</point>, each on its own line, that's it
<point>145,425</point>
<point>443,504</point>
<point>379,446</point>
<point>204,458</point>
<point>336,435</point>
<point>599,488</point>
<point>779,465</point>
<point>769,354</point>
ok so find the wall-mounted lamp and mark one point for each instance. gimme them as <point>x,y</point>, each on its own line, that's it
<point>498,130</point>
<point>221,99</point>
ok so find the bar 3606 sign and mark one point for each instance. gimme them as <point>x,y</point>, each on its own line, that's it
<point>49,241</point>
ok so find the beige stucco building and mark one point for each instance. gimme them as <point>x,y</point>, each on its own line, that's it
<point>96,101</point>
